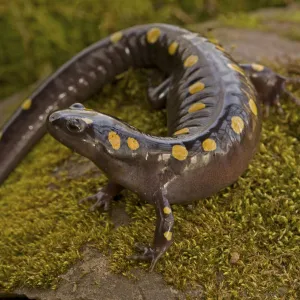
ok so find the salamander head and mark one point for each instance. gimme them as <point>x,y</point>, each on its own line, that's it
<point>107,141</point>
<point>79,129</point>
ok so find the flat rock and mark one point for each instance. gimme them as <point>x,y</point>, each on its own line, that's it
<point>90,279</point>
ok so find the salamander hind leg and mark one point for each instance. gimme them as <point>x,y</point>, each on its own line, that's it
<point>270,85</point>
<point>104,196</point>
<point>163,232</point>
<point>157,96</point>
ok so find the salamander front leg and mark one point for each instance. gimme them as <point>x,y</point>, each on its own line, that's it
<point>294,81</point>
<point>270,85</point>
<point>104,196</point>
<point>163,231</point>
<point>157,96</point>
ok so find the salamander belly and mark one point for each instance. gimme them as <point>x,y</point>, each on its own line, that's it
<point>212,109</point>
<point>208,172</point>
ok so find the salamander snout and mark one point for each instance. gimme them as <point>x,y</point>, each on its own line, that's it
<point>75,129</point>
<point>54,116</point>
<point>68,122</point>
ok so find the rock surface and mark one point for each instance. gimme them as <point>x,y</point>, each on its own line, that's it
<point>90,279</point>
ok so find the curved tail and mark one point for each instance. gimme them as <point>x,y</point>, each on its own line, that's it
<point>76,81</point>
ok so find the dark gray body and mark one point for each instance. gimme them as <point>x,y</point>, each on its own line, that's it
<point>226,94</point>
<point>101,62</point>
<point>213,112</point>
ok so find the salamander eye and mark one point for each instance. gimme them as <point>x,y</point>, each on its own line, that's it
<point>75,125</point>
<point>77,106</point>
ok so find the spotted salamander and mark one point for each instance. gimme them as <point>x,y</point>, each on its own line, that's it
<point>213,112</point>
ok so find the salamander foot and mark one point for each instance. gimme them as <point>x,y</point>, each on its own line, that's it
<point>102,200</point>
<point>104,197</point>
<point>295,82</point>
<point>270,86</point>
<point>163,236</point>
<point>146,253</point>
<point>274,100</point>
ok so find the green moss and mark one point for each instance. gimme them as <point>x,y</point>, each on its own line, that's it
<point>241,20</point>
<point>43,228</point>
<point>291,16</point>
<point>292,34</point>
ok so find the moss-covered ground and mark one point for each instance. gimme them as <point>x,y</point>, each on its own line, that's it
<point>241,243</point>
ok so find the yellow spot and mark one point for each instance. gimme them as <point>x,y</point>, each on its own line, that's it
<point>190,61</point>
<point>173,48</point>
<point>87,120</point>
<point>181,131</point>
<point>209,145</point>
<point>26,104</point>
<point>196,106</point>
<point>237,124</point>
<point>253,106</point>
<point>179,152</point>
<point>236,68</point>
<point>114,140</point>
<point>196,87</point>
<point>132,143</point>
<point>168,235</point>
<point>257,67</point>
<point>167,210</point>
<point>153,35</point>
<point>115,37</point>
<point>220,48</point>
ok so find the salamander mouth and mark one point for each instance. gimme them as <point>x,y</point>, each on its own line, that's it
<point>57,133</point>
<point>66,139</point>
<point>55,125</point>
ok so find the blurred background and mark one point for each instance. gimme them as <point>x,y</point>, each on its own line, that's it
<point>37,36</point>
